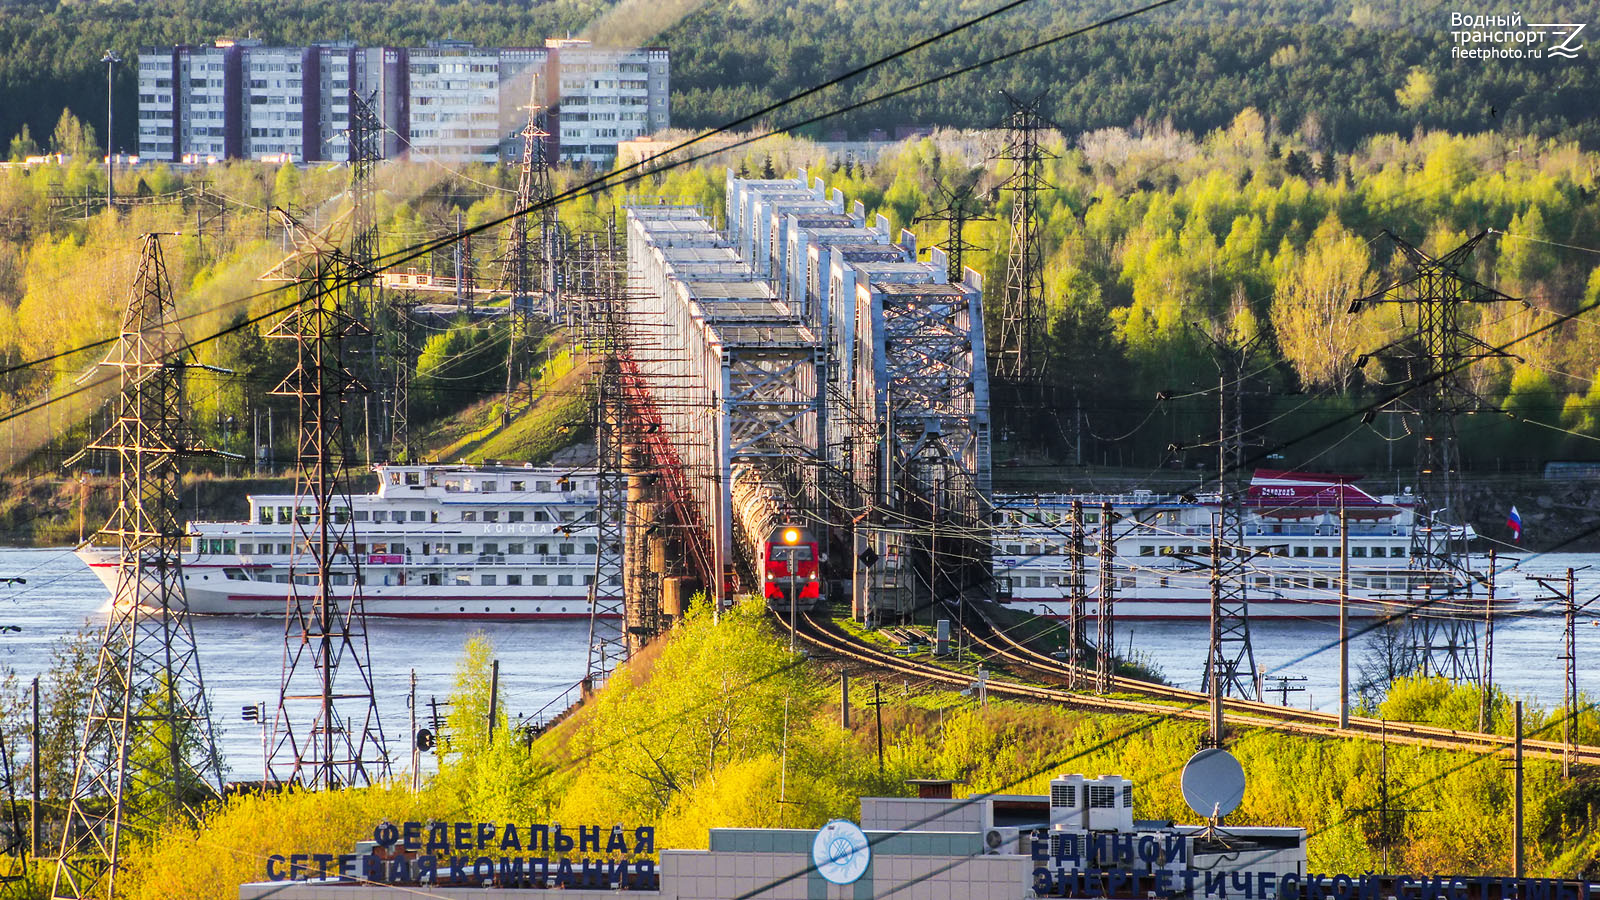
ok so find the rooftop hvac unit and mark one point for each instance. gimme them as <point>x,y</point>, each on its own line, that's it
<point>1067,802</point>
<point>1110,803</point>
<point>1003,840</point>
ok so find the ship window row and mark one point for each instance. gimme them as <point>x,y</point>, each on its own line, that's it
<point>429,548</point>
<point>398,515</point>
<point>1290,582</point>
<point>1043,518</point>
<point>437,579</point>
<point>1298,551</point>
<point>1397,583</point>
<point>492,485</point>
<point>285,515</point>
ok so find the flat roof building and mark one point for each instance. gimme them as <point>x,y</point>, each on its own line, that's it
<point>450,100</point>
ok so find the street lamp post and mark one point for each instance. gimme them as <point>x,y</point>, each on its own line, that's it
<point>110,59</point>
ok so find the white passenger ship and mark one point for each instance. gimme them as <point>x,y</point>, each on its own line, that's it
<point>1163,546</point>
<point>479,542</point>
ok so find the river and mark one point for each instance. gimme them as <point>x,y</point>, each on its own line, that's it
<point>241,658</point>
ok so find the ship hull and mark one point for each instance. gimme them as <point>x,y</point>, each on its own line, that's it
<point>1199,609</point>
<point>209,593</point>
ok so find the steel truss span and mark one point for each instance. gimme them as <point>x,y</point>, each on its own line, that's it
<point>817,357</point>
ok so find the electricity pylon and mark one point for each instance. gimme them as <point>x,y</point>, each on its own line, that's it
<point>1442,625</point>
<point>326,733</point>
<point>148,754</point>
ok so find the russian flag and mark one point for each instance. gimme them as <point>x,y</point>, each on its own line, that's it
<point>1514,522</point>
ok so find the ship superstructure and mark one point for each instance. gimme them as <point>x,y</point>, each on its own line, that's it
<point>1162,547</point>
<point>502,542</point>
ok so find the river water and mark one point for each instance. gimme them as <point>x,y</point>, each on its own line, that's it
<point>241,658</point>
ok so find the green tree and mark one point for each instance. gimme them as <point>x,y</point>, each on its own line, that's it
<point>73,137</point>
<point>1315,332</point>
<point>23,145</point>
<point>286,187</point>
<point>458,363</point>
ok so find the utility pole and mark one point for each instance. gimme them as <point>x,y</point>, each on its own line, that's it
<point>147,694</point>
<point>35,747</point>
<point>416,751</point>
<point>1516,802</point>
<point>877,709</point>
<point>844,700</point>
<point>1344,613</point>
<point>1391,819</point>
<point>1078,595</point>
<point>1105,661</point>
<point>494,696</point>
<point>1565,591</point>
<point>1215,667</point>
<point>110,59</point>
<point>1433,357</point>
<point>1486,686</point>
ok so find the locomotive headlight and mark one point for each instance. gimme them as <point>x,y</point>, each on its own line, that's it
<point>791,536</point>
<point>813,576</point>
<point>769,576</point>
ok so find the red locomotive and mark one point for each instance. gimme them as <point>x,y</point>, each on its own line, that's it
<point>786,546</point>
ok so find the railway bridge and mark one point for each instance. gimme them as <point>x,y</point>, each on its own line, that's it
<point>795,366</point>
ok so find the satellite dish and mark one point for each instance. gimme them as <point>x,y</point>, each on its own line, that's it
<point>1213,783</point>
<point>841,852</point>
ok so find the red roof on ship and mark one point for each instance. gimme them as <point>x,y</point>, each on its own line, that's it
<point>1287,493</point>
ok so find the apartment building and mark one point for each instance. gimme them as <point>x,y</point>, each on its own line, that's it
<point>607,96</point>
<point>449,100</point>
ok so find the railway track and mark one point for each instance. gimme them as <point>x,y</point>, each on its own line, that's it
<point>1169,701</point>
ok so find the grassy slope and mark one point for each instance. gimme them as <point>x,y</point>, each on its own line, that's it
<point>535,432</point>
<point>711,726</point>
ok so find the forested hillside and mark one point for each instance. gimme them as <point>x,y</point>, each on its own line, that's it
<point>1154,239</point>
<point>1344,69</point>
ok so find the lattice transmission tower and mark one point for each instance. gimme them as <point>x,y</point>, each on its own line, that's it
<point>960,207</point>
<point>520,275</point>
<point>13,833</point>
<point>366,151</point>
<point>1443,623</point>
<point>147,754</point>
<point>1230,660</point>
<point>326,733</point>
<point>608,638</point>
<point>1020,354</point>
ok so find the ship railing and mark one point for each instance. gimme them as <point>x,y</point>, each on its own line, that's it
<point>1061,502</point>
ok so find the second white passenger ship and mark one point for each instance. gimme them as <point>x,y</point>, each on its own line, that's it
<point>479,542</point>
<point>1290,555</point>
